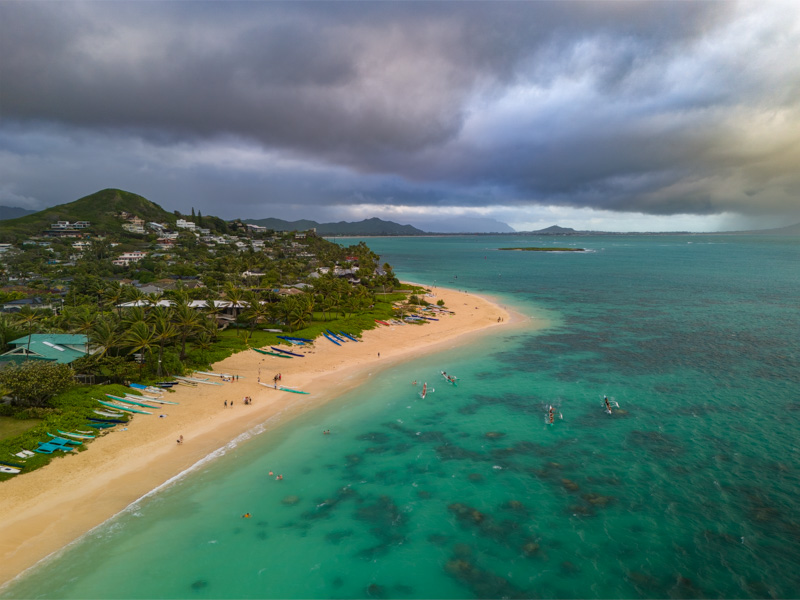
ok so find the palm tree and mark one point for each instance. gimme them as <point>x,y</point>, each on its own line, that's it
<point>28,317</point>
<point>105,335</point>
<point>82,321</point>
<point>212,310</point>
<point>163,331</point>
<point>113,294</point>
<point>141,339</point>
<point>132,315</point>
<point>186,320</point>
<point>234,295</point>
<point>298,318</point>
<point>134,294</point>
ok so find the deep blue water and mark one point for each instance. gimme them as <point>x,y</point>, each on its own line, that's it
<point>689,490</point>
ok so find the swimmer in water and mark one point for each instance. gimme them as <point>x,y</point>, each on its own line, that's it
<point>246,516</point>
<point>552,414</point>
<point>608,405</point>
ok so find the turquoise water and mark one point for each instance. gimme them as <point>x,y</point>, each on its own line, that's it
<point>688,491</point>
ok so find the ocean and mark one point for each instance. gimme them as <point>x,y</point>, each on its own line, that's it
<point>687,490</point>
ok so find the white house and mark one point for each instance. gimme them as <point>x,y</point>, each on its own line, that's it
<point>183,224</point>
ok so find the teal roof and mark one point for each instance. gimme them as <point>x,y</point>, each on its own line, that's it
<point>60,347</point>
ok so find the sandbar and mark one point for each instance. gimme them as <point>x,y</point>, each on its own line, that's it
<point>43,511</point>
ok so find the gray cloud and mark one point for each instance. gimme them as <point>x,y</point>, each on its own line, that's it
<point>655,107</point>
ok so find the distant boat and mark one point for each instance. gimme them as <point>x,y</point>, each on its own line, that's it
<point>450,378</point>
<point>425,391</point>
<point>282,388</point>
<point>287,352</point>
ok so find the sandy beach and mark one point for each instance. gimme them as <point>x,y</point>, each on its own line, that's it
<point>43,511</point>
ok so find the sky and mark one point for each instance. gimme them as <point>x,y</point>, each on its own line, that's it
<point>603,115</point>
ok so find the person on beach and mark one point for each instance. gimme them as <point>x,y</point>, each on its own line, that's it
<point>226,404</point>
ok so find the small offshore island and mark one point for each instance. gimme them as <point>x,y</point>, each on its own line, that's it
<point>532,249</point>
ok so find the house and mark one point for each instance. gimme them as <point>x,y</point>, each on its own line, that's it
<point>183,224</point>
<point>126,258</point>
<point>13,306</point>
<point>68,225</point>
<point>62,348</point>
<point>133,228</point>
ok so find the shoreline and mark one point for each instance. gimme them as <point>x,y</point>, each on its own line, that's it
<point>47,510</point>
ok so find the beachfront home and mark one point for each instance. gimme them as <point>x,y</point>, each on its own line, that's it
<point>53,347</point>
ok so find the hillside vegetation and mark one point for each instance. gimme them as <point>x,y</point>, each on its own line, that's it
<point>99,208</point>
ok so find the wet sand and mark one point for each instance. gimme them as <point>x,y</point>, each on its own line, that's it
<point>43,511</point>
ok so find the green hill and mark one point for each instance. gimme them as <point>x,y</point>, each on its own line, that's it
<point>100,209</point>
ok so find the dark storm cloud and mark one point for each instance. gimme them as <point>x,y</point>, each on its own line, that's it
<point>654,107</point>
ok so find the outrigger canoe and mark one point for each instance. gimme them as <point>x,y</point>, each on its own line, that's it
<point>382,322</point>
<point>80,436</point>
<point>220,375</point>
<point>331,339</point>
<point>260,351</point>
<point>197,380</point>
<point>134,402</point>
<point>146,388</point>
<point>156,400</point>
<point>348,336</point>
<point>287,352</point>
<point>287,337</point>
<point>283,388</point>
<point>107,413</point>
<point>125,408</point>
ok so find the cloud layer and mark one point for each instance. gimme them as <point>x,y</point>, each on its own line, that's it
<point>265,109</point>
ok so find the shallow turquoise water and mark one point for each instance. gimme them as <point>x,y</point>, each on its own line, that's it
<point>688,491</point>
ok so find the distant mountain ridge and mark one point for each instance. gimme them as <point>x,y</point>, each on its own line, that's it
<point>372,226</point>
<point>13,212</point>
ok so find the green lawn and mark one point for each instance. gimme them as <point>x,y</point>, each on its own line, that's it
<point>10,427</point>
